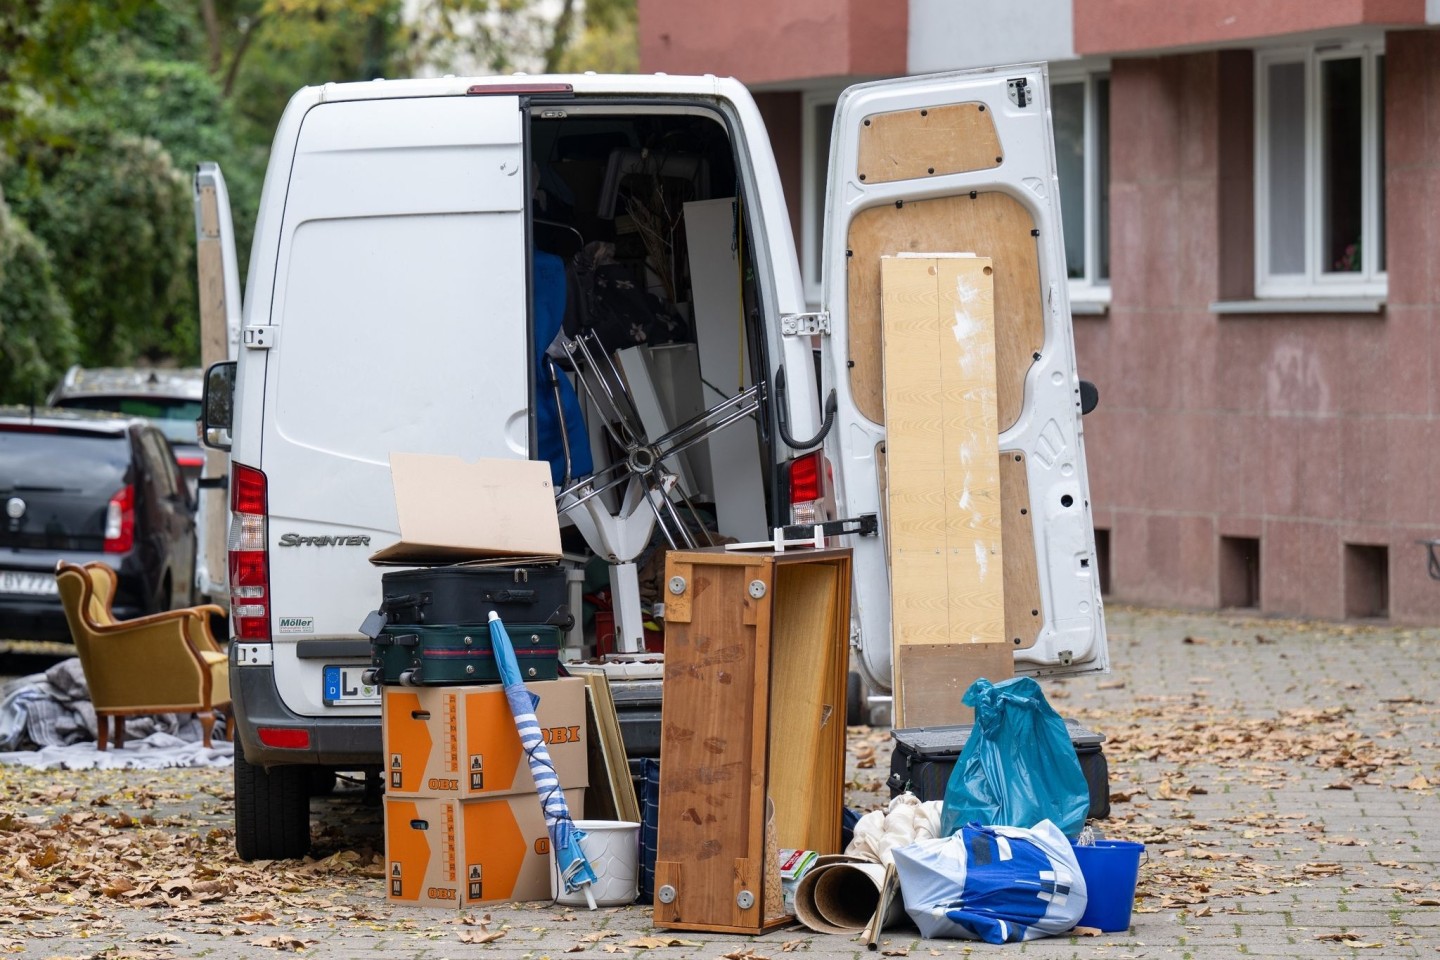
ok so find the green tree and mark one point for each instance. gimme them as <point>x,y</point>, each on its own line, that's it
<point>37,339</point>
<point>114,213</point>
<point>609,41</point>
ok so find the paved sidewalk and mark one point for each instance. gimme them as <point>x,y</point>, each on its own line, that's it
<point>1283,775</point>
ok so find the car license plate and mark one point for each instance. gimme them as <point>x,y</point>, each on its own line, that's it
<point>343,687</point>
<point>31,584</point>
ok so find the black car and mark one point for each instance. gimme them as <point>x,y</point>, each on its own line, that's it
<point>81,486</point>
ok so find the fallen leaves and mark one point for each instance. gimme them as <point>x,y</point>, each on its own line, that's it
<point>294,944</point>
<point>654,943</point>
<point>1350,938</point>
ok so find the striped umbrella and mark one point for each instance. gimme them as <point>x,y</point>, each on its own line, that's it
<point>575,870</point>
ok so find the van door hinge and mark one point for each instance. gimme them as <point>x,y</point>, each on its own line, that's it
<point>260,336</point>
<point>804,324</point>
<point>1019,94</point>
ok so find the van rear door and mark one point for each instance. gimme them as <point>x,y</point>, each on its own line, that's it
<point>992,479</point>
<point>219,286</point>
<point>399,324</point>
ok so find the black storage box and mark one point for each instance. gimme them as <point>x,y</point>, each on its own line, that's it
<point>415,655</point>
<point>924,757</point>
<point>467,594</point>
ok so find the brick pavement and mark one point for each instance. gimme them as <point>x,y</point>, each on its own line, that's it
<point>1271,766</point>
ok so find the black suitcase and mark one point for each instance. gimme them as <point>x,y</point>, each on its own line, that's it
<point>924,757</point>
<point>417,655</point>
<point>467,594</point>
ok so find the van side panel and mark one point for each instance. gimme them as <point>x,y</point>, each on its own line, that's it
<point>400,312</point>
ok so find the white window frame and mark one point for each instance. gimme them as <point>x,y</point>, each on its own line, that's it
<point>812,192</point>
<point>1370,281</point>
<point>1089,290</point>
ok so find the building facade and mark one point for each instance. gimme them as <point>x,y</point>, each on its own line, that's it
<point>1251,203</point>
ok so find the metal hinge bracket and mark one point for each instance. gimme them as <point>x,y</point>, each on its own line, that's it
<point>259,336</point>
<point>804,324</point>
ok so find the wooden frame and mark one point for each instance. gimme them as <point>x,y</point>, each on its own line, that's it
<point>755,669</point>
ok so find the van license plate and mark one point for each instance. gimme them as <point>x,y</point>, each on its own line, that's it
<point>30,584</point>
<point>343,687</point>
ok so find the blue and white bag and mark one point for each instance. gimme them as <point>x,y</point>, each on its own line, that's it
<point>997,884</point>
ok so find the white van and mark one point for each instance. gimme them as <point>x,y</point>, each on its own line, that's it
<point>406,252</point>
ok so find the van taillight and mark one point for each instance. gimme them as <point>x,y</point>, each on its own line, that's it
<point>249,555</point>
<point>807,488</point>
<point>120,521</point>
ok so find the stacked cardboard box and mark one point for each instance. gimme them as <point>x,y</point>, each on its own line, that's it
<point>463,822</point>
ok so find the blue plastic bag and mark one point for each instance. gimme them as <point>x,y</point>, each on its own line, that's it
<point>997,884</point>
<point>1018,766</point>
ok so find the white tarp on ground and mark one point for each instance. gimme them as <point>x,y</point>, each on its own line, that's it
<point>47,722</point>
<point>158,751</point>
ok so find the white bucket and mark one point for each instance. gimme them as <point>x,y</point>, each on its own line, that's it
<point>613,849</point>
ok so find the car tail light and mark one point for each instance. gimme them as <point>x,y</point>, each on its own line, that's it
<point>249,555</point>
<point>120,521</point>
<point>808,480</point>
<point>189,461</point>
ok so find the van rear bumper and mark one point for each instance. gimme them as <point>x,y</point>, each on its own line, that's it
<point>344,742</point>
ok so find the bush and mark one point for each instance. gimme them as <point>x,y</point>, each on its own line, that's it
<point>37,338</point>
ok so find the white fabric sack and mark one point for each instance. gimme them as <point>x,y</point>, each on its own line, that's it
<point>906,820</point>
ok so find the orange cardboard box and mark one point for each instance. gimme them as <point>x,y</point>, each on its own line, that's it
<point>460,742</point>
<point>462,853</point>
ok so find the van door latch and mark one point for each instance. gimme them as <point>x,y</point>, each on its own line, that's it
<point>804,324</point>
<point>259,336</point>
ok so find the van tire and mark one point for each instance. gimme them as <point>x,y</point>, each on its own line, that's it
<point>855,713</point>
<point>272,811</point>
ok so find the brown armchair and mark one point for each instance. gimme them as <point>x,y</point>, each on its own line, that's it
<point>164,663</point>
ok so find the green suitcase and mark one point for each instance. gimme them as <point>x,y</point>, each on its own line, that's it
<point>416,655</point>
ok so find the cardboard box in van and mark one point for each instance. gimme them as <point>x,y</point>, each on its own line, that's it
<point>460,741</point>
<point>451,511</point>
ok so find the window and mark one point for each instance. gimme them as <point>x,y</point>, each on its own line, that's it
<point>1319,172</point>
<point>817,120</point>
<point>1080,112</point>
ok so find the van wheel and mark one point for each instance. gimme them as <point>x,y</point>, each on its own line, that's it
<point>855,712</point>
<point>272,810</point>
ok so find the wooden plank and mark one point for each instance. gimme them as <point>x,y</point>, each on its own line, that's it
<point>807,796</point>
<point>936,676</point>
<point>928,142</point>
<point>942,451</point>
<point>1023,612</point>
<point>616,767</point>
<point>994,224</point>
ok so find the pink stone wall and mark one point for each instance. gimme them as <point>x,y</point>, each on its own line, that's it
<point>770,41</point>
<point>1132,26</point>
<point>1306,432</point>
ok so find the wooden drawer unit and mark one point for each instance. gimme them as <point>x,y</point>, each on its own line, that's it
<point>753,721</point>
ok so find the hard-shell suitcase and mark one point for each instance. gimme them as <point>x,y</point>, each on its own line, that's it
<point>924,757</point>
<point>467,594</point>
<point>422,655</point>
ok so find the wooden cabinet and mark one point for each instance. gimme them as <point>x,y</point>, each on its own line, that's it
<point>752,744</point>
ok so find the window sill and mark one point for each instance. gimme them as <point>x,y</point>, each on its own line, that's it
<point>1300,305</point>
<point>1089,308</point>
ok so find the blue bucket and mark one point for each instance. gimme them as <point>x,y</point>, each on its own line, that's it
<point>1111,869</point>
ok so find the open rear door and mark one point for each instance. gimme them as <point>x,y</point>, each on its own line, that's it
<point>219,273</point>
<point>953,363</point>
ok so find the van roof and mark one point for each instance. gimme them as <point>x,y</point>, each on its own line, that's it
<point>582,83</point>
